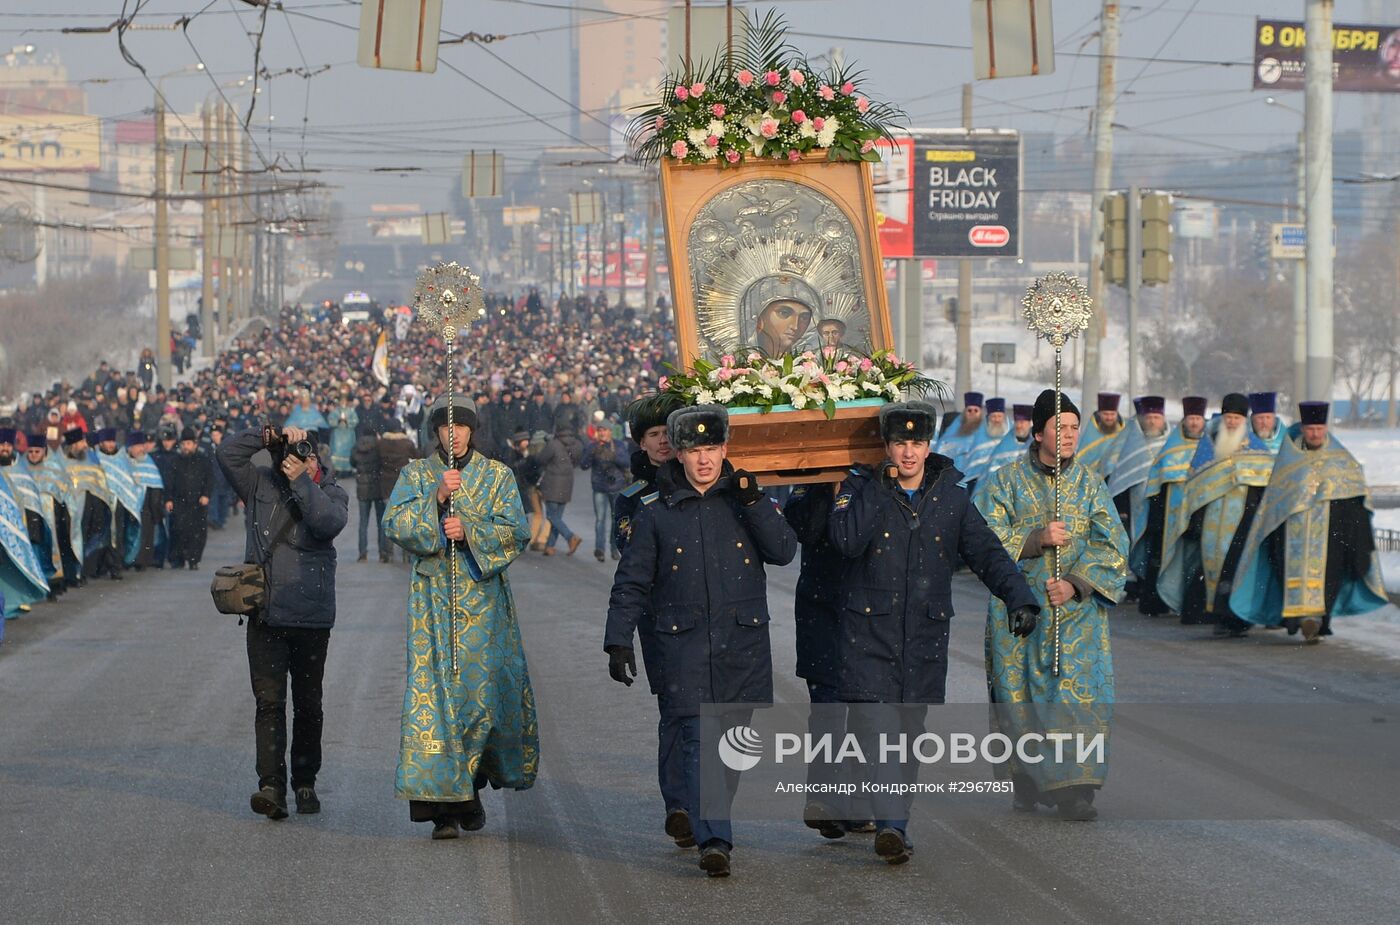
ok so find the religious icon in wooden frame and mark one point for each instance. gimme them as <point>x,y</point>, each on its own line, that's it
<point>778,257</point>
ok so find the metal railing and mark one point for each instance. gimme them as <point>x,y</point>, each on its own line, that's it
<point>1388,540</point>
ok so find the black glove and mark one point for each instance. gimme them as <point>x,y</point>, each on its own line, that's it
<point>889,478</point>
<point>746,487</point>
<point>1021,621</point>
<point>621,663</point>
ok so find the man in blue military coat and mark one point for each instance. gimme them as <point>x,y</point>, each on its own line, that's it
<point>646,420</point>
<point>694,566</point>
<point>902,528</point>
<point>817,611</point>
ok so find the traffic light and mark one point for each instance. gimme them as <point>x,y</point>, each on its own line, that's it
<point>1115,238</point>
<point>1156,239</point>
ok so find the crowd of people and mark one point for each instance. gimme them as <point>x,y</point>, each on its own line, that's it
<point>550,381</point>
<point>1235,519</point>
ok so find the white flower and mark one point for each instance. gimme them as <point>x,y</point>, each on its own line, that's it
<point>756,143</point>
<point>806,130</point>
<point>743,388</point>
<point>704,397</point>
<point>752,122</point>
<point>892,391</point>
<point>828,133</point>
<point>714,376</point>
<point>799,401</point>
<point>766,391</point>
<point>716,127</point>
<point>708,152</point>
<point>697,136</point>
<point>724,394</point>
<point>848,391</point>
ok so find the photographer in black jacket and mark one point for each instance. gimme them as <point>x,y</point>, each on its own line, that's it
<point>295,512</point>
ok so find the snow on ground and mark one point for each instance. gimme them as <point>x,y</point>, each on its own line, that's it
<point>1378,451</point>
<point>1377,632</point>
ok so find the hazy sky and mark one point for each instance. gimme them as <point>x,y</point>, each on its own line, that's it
<point>360,119</point>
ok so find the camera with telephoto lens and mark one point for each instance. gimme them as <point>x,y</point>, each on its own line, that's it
<point>277,442</point>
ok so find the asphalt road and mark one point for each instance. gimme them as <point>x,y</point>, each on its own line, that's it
<point>126,765</point>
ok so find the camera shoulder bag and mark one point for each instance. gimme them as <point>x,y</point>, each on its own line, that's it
<point>242,589</point>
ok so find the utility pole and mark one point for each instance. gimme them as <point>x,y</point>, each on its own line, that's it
<point>162,254</point>
<point>603,230</point>
<point>1103,176</point>
<point>206,210</point>
<point>245,234</point>
<point>650,296</point>
<point>1317,125</point>
<point>1134,286</point>
<point>963,376</point>
<point>1300,288</point>
<point>622,241</point>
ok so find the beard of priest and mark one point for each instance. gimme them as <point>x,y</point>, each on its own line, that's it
<point>1231,435</point>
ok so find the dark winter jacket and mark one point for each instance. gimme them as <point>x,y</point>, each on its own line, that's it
<point>817,611</point>
<point>610,464</point>
<point>364,459</point>
<point>395,452</point>
<point>557,462</point>
<point>897,595</point>
<point>625,507</point>
<point>694,567</point>
<point>539,418</point>
<point>301,568</point>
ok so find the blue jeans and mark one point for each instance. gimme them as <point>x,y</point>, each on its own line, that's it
<point>603,535</point>
<point>365,508</point>
<point>219,504</point>
<point>554,513</point>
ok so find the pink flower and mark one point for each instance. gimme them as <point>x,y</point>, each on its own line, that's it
<point>768,128</point>
<point>868,146</point>
<point>865,365</point>
<point>697,88</point>
<point>731,156</point>
<point>755,356</point>
<point>828,351</point>
<point>682,93</point>
<point>727,360</point>
<point>773,78</point>
<point>862,104</point>
<point>717,110</point>
<point>798,117</point>
<point>712,141</point>
<point>848,88</point>
<point>745,78</point>
<point>826,93</point>
<point>663,383</point>
<point>842,366</point>
<point>794,155</point>
<point>819,123</point>
<point>779,97</point>
<point>796,77</point>
<point>660,123</point>
<point>679,150</point>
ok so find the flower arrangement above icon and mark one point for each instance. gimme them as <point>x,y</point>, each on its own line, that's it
<point>822,379</point>
<point>767,101</point>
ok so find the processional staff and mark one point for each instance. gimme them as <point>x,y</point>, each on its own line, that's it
<point>1057,307</point>
<point>448,298</point>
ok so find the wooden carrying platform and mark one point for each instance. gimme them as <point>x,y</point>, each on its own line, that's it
<point>794,447</point>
